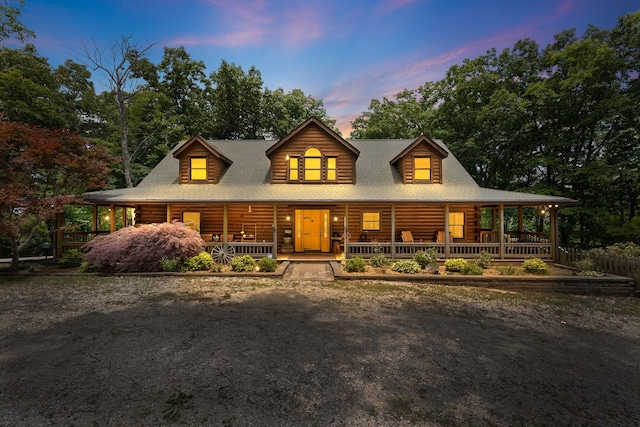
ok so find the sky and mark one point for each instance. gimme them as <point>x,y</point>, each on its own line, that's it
<point>345,52</point>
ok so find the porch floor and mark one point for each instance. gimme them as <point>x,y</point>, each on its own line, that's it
<point>309,256</point>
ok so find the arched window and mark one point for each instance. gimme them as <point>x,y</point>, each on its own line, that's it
<point>312,165</point>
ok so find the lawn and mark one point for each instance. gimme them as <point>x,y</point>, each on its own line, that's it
<point>82,350</point>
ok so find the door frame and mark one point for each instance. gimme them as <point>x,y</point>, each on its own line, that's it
<point>325,229</point>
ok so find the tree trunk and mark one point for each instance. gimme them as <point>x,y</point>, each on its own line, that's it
<point>124,142</point>
<point>15,258</point>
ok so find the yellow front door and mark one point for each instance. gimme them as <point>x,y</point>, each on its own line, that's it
<point>312,230</point>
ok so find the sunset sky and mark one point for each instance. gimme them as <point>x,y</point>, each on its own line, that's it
<point>345,52</point>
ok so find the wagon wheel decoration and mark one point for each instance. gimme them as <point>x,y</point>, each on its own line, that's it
<point>223,254</point>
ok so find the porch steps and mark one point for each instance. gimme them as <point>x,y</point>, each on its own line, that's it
<point>309,271</point>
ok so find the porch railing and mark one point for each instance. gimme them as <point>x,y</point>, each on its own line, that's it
<point>460,250</point>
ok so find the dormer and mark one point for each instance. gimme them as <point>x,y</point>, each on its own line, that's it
<point>313,154</point>
<point>421,162</point>
<point>200,162</point>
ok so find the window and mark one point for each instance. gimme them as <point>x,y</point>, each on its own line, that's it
<point>198,169</point>
<point>312,165</point>
<point>192,220</point>
<point>456,224</point>
<point>331,169</point>
<point>422,168</point>
<point>293,169</point>
<point>370,221</point>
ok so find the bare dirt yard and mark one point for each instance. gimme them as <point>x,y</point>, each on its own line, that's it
<point>138,351</point>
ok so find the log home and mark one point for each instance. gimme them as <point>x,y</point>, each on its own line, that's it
<point>315,192</point>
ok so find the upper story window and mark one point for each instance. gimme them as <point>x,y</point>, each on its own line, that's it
<point>198,169</point>
<point>422,168</point>
<point>312,166</point>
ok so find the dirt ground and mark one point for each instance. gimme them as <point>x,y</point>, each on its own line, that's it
<point>142,351</point>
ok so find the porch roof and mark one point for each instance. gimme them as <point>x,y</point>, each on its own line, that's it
<point>247,180</point>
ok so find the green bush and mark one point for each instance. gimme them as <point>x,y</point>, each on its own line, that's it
<point>355,265</point>
<point>268,265</point>
<point>424,258</point>
<point>484,261</point>
<point>455,264</point>
<point>86,267</point>
<point>406,266</point>
<point>243,263</point>
<point>379,261</point>
<point>507,270</point>
<point>173,265</point>
<point>71,259</point>
<point>200,262</point>
<point>535,266</point>
<point>472,269</point>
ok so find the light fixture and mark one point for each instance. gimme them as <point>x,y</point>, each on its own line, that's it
<point>286,157</point>
<point>249,208</point>
<point>335,218</point>
<point>288,218</point>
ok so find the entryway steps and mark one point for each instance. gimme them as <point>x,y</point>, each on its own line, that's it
<point>316,271</point>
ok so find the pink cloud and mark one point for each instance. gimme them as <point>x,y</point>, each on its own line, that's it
<point>388,6</point>
<point>256,22</point>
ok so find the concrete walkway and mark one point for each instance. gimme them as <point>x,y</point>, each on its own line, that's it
<point>317,271</point>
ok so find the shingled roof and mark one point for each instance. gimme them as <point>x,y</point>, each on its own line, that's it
<point>377,180</point>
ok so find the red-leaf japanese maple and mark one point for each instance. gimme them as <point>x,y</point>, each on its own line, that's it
<point>40,171</point>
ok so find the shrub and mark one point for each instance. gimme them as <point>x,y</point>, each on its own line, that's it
<point>484,261</point>
<point>508,270</point>
<point>71,259</point>
<point>141,249</point>
<point>535,266</point>
<point>379,261</point>
<point>85,267</point>
<point>406,266</point>
<point>268,265</point>
<point>172,265</point>
<point>424,258</point>
<point>200,262</point>
<point>355,265</point>
<point>243,263</point>
<point>455,264</point>
<point>472,269</point>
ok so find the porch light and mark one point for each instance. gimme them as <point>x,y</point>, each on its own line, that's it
<point>288,218</point>
<point>286,157</point>
<point>249,208</point>
<point>335,218</point>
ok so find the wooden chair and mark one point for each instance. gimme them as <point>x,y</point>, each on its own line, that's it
<point>440,237</point>
<point>406,236</point>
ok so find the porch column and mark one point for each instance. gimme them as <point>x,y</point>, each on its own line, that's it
<point>446,231</point>
<point>346,231</point>
<point>520,209</point>
<point>169,213</point>
<point>393,231</point>
<point>225,229</point>
<point>94,219</point>
<point>553,232</point>
<point>124,216</point>
<point>275,231</point>
<point>112,218</point>
<point>501,230</point>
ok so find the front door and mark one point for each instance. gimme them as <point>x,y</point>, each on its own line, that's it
<point>312,230</point>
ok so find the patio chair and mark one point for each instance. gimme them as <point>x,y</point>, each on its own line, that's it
<point>406,236</point>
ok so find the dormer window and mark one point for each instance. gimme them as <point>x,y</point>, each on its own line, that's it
<point>198,169</point>
<point>312,166</point>
<point>422,168</point>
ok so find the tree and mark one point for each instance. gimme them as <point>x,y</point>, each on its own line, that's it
<point>115,62</point>
<point>283,112</point>
<point>10,25</point>
<point>42,170</point>
<point>236,98</point>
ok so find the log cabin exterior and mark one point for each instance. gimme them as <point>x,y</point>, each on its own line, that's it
<point>315,192</point>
